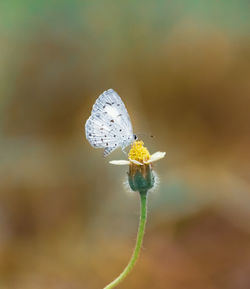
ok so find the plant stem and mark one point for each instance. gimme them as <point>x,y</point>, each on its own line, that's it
<point>136,252</point>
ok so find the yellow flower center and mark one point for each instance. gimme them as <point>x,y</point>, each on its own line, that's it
<point>138,152</point>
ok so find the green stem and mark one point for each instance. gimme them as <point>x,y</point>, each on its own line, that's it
<point>136,252</point>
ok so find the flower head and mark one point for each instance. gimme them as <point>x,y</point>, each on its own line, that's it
<point>138,152</point>
<point>140,176</point>
<point>139,155</point>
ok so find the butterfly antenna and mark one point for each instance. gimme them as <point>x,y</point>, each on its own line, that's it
<point>144,134</point>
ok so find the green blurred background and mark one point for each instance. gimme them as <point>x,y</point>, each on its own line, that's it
<point>182,69</point>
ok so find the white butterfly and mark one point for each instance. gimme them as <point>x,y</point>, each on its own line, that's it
<point>109,124</point>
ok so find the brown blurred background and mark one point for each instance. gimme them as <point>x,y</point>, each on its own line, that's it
<point>182,69</point>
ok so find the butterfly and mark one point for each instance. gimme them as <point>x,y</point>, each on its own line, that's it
<point>109,125</point>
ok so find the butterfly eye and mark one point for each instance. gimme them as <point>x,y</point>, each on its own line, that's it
<point>135,137</point>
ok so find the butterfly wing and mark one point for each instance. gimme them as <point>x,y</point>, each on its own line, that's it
<point>109,125</point>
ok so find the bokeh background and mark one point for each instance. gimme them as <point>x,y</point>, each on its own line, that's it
<point>183,70</point>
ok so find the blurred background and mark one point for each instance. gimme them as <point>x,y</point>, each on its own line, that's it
<point>182,69</point>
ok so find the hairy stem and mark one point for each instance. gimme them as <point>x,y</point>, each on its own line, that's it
<point>137,249</point>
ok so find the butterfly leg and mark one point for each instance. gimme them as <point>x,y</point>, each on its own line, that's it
<point>108,151</point>
<point>123,150</point>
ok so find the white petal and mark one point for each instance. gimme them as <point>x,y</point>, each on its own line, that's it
<point>136,162</point>
<point>156,156</point>
<point>119,162</point>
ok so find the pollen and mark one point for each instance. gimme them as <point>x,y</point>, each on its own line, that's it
<point>139,152</point>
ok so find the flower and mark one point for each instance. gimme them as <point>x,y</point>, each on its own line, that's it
<point>139,155</point>
<point>140,176</point>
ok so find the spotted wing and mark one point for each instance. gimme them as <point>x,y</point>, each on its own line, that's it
<point>109,125</point>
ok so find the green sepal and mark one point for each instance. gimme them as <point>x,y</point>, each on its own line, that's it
<point>138,182</point>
